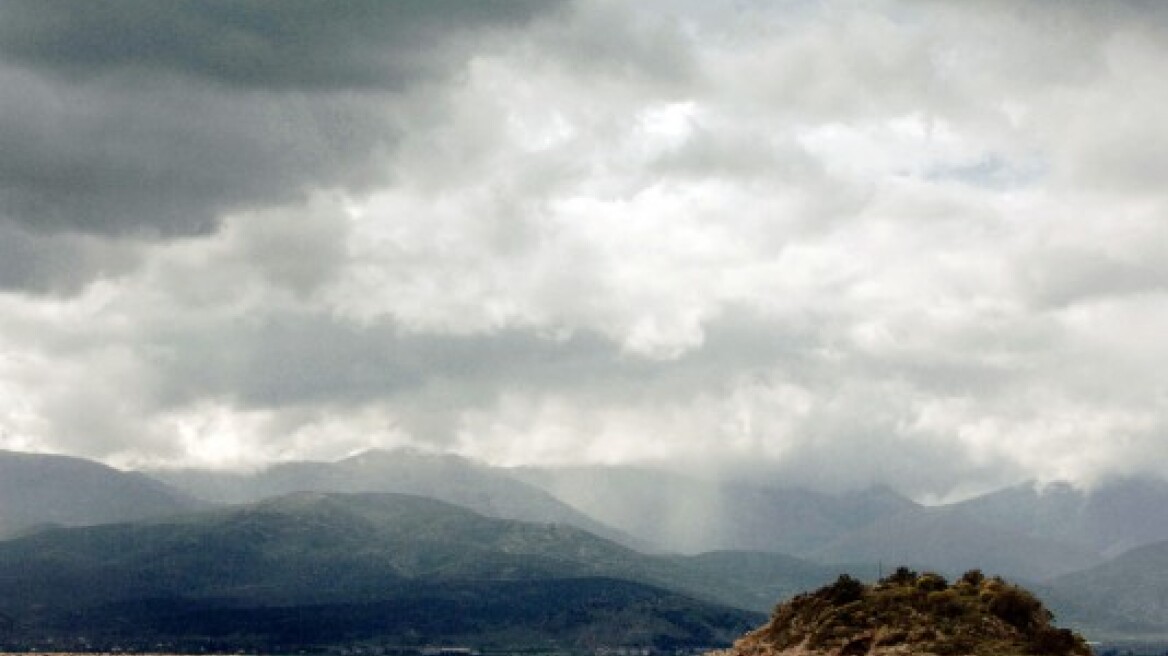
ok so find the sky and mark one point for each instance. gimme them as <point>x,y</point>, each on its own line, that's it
<point>829,243</point>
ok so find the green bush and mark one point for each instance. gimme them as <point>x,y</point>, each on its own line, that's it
<point>1016,607</point>
<point>845,590</point>
<point>931,582</point>
<point>902,576</point>
<point>946,603</point>
<point>972,578</point>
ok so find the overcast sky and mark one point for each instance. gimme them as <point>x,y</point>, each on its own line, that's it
<point>923,243</point>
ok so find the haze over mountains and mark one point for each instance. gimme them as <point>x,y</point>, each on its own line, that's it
<point>1000,531</point>
<point>1026,531</point>
<point>465,530</point>
<point>450,478</point>
<point>1125,595</point>
<point>1110,519</point>
<point>40,490</point>
<point>692,515</point>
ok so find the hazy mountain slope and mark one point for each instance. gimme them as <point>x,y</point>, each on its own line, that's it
<point>484,489</point>
<point>40,489</point>
<point>951,542</point>
<point>1112,518</point>
<point>858,529</point>
<point>326,553</point>
<point>1125,596</point>
<point>752,579</point>
<point>692,516</point>
<point>314,547</point>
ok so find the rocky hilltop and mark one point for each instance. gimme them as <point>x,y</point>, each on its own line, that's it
<point>910,613</point>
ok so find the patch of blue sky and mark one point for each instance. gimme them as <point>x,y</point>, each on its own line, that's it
<point>992,171</point>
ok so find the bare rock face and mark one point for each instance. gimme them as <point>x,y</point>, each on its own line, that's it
<point>910,613</point>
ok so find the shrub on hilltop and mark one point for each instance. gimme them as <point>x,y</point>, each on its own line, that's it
<point>911,613</point>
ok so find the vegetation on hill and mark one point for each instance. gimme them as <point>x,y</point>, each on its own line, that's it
<point>910,613</point>
<point>310,547</point>
<point>554,614</point>
<point>310,570</point>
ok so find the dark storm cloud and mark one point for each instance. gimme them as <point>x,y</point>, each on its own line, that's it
<point>57,264</point>
<point>293,44</point>
<point>152,119</point>
<point>165,161</point>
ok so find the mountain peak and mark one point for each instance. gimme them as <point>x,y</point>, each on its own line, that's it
<point>882,492</point>
<point>403,454</point>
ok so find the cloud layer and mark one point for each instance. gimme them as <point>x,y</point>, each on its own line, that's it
<point>826,243</point>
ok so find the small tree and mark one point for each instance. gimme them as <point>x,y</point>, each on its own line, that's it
<point>902,576</point>
<point>845,590</point>
<point>931,582</point>
<point>1016,607</point>
<point>973,578</point>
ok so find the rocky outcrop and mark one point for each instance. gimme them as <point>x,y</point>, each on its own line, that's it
<point>910,613</point>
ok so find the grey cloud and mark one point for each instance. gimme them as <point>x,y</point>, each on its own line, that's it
<point>301,251</point>
<point>867,445</point>
<point>288,359</point>
<point>166,161</point>
<point>738,154</point>
<point>612,40</point>
<point>294,44</point>
<point>151,120</point>
<point>59,264</point>
<point>298,363</point>
<point>1062,277</point>
<point>95,415</point>
<point>553,263</point>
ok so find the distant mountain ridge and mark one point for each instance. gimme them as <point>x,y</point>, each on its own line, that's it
<point>951,541</point>
<point>1123,597</point>
<point>1054,534</point>
<point>454,479</point>
<point>1115,516</point>
<point>693,515</point>
<point>39,489</point>
<point>856,530</point>
<point>1024,532</point>
<point>1027,532</point>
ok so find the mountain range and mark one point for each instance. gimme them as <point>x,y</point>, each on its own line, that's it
<point>309,569</point>
<point>461,481</point>
<point>1030,532</point>
<point>707,545</point>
